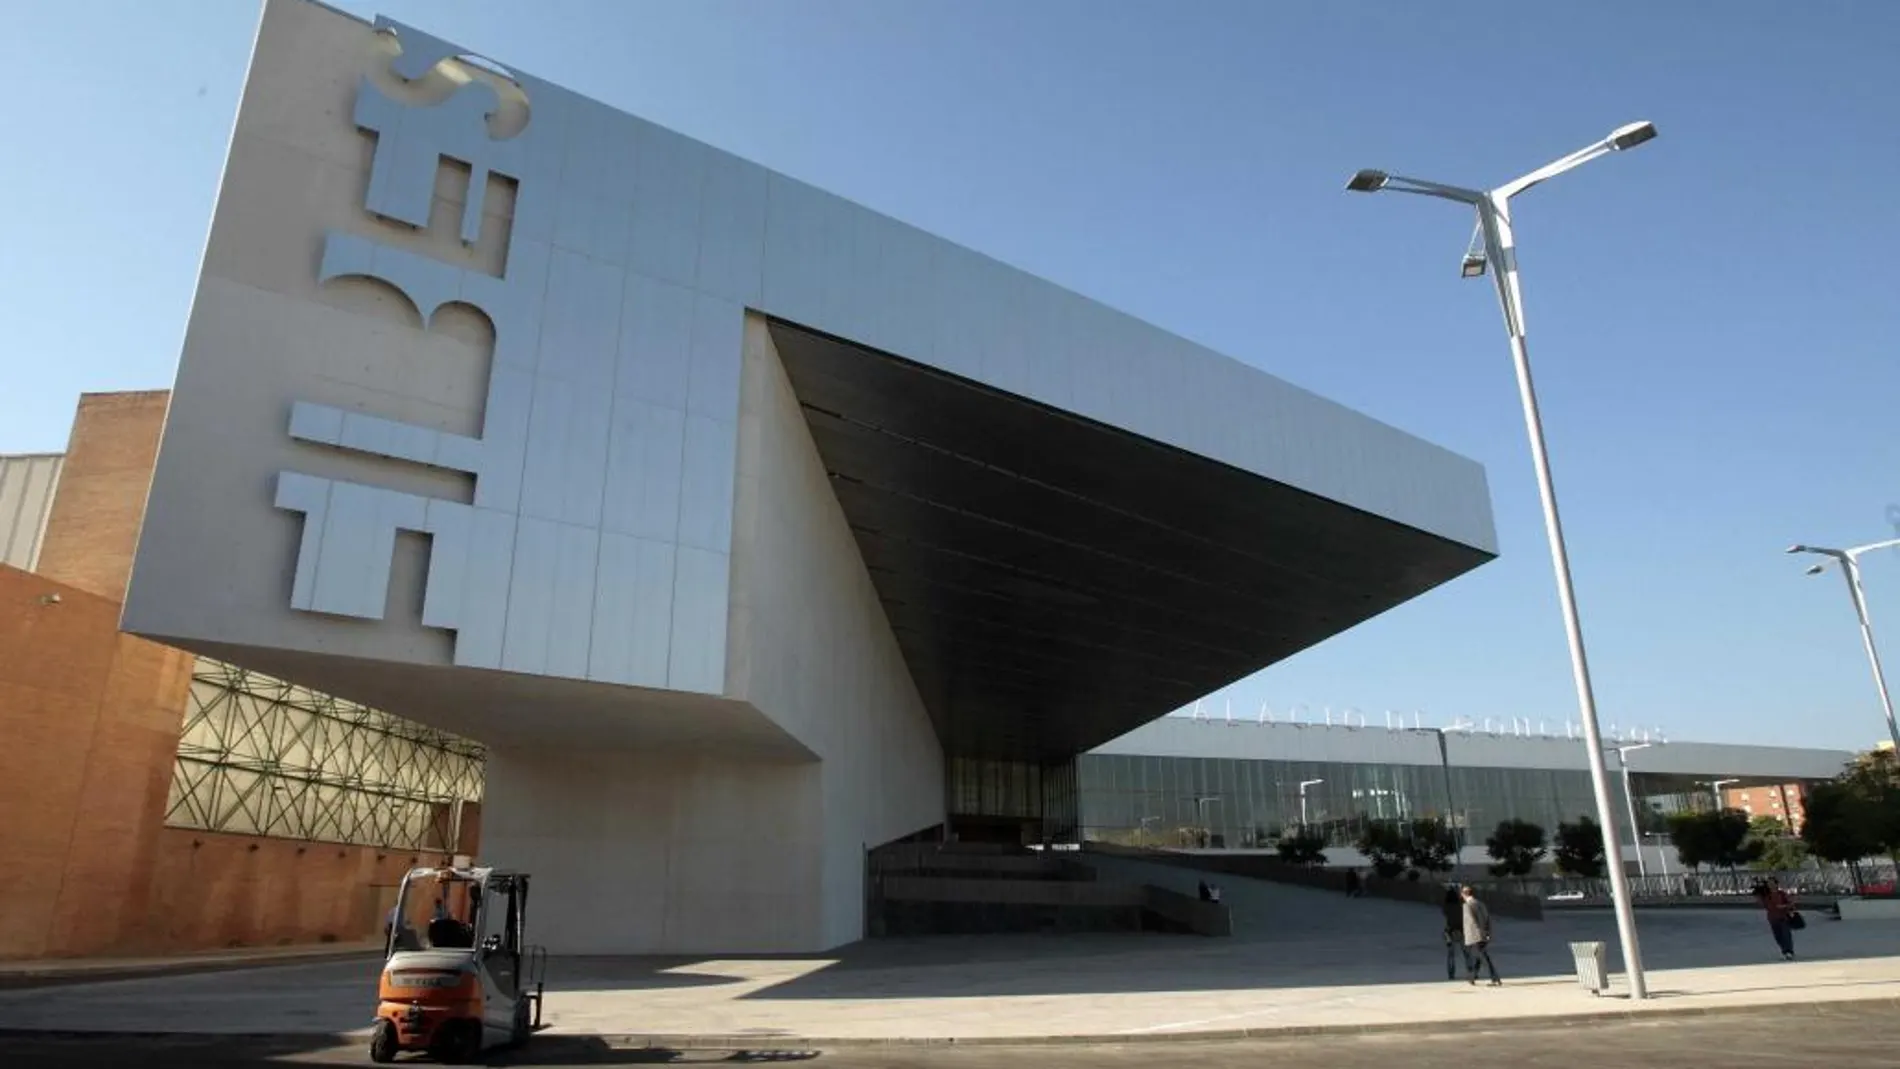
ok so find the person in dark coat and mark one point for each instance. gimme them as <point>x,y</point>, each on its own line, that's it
<point>1454,909</point>
<point>1477,936</point>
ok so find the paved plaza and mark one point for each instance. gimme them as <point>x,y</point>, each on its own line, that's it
<point>1300,960</point>
<point>1841,1034</point>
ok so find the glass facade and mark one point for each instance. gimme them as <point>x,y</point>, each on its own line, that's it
<point>1042,795</point>
<point>1245,804</point>
<point>258,756</point>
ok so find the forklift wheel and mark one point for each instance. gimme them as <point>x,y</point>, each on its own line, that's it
<point>524,1024</point>
<point>383,1042</point>
<point>458,1042</point>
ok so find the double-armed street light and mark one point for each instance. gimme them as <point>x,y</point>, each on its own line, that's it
<point>1303,785</point>
<point>1849,560</point>
<point>1629,799</point>
<point>1715,788</point>
<point>1494,248</point>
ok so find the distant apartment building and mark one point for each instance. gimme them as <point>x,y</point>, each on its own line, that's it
<point>1785,802</point>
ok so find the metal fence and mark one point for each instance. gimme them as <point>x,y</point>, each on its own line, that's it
<point>1831,880</point>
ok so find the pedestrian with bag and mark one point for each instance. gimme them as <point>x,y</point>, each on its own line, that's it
<point>1783,918</point>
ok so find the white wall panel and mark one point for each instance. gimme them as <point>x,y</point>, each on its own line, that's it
<point>645,465</point>
<point>732,229</point>
<point>696,656</point>
<point>669,180</point>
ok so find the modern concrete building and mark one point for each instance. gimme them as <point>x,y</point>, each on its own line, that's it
<point>747,528</point>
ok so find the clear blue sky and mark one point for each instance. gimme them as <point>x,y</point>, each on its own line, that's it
<point>1714,318</point>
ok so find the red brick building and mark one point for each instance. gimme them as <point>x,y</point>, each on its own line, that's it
<point>1785,802</point>
<point>117,838</point>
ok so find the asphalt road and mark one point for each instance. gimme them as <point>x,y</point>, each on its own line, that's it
<point>1843,1034</point>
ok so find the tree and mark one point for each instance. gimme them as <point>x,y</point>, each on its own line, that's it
<point>1302,848</point>
<point>1385,847</point>
<point>1515,847</point>
<point>1579,848</point>
<point>1433,847</point>
<point>1719,839</point>
<point>1841,825</point>
<point>1874,778</point>
<point>1775,849</point>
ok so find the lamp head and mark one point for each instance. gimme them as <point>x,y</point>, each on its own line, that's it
<point>1797,548</point>
<point>1368,181</point>
<point>1815,569</point>
<point>1473,266</point>
<point>1628,137</point>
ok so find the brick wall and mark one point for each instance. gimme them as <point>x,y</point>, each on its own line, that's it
<point>212,891</point>
<point>90,722</point>
<point>94,524</point>
<point>89,725</point>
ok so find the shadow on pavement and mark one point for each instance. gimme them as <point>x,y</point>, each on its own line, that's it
<point>51,1050</point>
<point>1293,937</point>
<point>55,1051</point>
<point>591,1050</point>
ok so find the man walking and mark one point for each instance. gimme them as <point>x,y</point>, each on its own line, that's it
<point>1477,923</point>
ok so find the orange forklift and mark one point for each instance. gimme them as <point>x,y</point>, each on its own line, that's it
<point>459,976</point>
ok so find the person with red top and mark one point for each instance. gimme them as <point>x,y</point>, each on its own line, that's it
<point>1783,918</point>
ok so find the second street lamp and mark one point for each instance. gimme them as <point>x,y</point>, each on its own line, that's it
<point>1849,560</point>
<point>1303,785</point>
<point>1715,788</point>
<point>1629,799</point>
<point>1499,255</point>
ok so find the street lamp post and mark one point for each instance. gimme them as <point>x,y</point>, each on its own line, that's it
<point>1715,788</point>
<point>1662,855</point>
<point>1141,832</point>
<point>1493,209</point>
<point>1849,560</point>
<point>1629,798</point>
<point>1305,783</point>
<point>1201,802</point>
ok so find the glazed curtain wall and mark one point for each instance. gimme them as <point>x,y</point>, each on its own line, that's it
<point>1244,803</point>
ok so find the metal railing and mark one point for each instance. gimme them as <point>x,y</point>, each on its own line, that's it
<point>1696,885</point>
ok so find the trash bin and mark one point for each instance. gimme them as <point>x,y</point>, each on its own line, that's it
<point>1590,971</point>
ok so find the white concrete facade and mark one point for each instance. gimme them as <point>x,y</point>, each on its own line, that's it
<point>708,853</point>
<point>480,420</point>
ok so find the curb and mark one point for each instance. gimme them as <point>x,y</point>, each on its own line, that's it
<point>762,1043</point>
<point>1434,1027</point>
<point>64,977</point>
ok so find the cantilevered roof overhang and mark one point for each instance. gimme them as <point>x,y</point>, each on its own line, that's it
<point>1055,581</point>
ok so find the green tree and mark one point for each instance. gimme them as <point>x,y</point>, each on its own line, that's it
<point>1775,849</point>
<point>1874,779</point>
<point>1515,847</point>
<point>1302,848</point>
<point>1719,839</point>
<point>1839,825</point>
<point>1579,848</point>
<point>1433,846</point>
<point>1385,846</point>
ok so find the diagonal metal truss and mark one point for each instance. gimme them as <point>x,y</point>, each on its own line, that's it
<point>260,756</point>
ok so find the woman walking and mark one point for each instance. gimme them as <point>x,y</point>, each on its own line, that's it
<point>1783,918</point>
